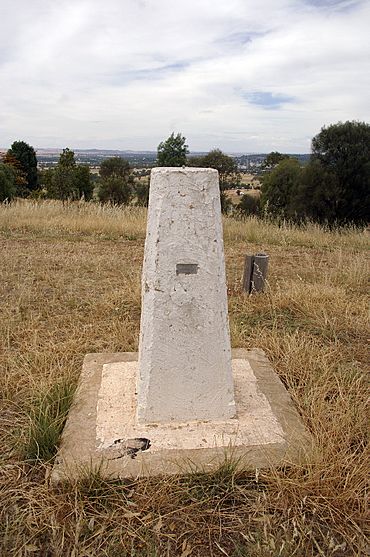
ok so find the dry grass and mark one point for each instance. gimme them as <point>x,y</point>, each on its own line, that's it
<point>247,178</point>
<point>70,284</point>
<point>235,198</point>
<point>51,218</point>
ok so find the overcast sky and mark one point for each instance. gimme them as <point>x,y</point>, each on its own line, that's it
<point>241,75</point>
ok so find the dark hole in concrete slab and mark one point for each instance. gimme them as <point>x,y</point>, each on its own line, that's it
<point>130,447</point>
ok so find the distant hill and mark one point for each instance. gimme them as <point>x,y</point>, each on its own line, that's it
<point>254,159</point>
<point>93,157</point>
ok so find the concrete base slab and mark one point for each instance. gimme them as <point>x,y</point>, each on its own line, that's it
<point>102,432</point>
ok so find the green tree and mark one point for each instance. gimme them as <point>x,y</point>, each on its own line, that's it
<point>62,183</point>
<point>115,190</point>
<point>115,166</point>
<point>343,150</point>
<point>83,185</point>
<point>317,194</point>
<point>273,159</point>
<point>45,179</point>
<point>67,158</point>
<point>26,156</point>
<point>173,151</point>
<point>249,205</point>
<point>8,183</point>
<point>116,181</point>
<point>20,177</point>
<point>68,180</point>
<point>226,203</point>
<point>228,173</point>
<point>279,189</point>
<point>141,190</point>
<point>226,166</point>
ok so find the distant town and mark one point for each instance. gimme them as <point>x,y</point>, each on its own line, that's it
<point>48,158</point>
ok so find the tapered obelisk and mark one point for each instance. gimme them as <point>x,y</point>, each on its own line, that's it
<point>184,353</point>
<point>173,410</point>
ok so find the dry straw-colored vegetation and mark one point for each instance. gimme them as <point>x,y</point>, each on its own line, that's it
<point>70,284</point>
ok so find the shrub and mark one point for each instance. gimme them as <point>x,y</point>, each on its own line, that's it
<point>115,190</point>
<point>249,205</point>
<point>7,182</point>
<point>142,193</point>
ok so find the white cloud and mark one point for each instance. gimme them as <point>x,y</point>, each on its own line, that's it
<point>238,75</point>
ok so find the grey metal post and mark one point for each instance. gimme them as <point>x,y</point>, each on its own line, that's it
<point>248,270</point>
<point>260,266</point>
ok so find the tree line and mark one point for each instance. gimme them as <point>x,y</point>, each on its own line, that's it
<point>19,177</point>
<point>116,182</point>
<point>334,187</point>
<point>174,152</point>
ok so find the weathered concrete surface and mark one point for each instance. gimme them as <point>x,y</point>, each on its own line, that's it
<point>184,352</point>
<point>102,430</point>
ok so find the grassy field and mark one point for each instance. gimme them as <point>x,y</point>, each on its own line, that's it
<point>235,198</point>
<point>247,178</point>
<point>70,284</point>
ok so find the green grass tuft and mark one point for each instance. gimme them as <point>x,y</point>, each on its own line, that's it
<point>47,416</point>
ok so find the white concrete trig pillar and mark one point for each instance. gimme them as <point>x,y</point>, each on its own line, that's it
<point>184,352</point>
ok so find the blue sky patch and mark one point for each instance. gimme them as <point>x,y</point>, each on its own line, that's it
<point>150,74</point>
<point>267,99</point>
<point>240,38</point>
<point>342,5</point>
